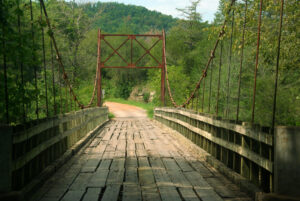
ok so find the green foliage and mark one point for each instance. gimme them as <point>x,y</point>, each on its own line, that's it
<point>111,115</point>
<point>189,44</point>
<point>111,17</point>
<point>75,30</point>
<point>146,97</point>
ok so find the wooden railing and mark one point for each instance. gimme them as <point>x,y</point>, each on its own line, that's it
<point>27,150</point>
<point>245,148</point>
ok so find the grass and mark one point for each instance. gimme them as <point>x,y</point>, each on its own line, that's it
<point>111,115</point>
<point>146,106</point>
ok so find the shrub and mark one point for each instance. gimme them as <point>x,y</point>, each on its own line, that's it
<point>146,97</point>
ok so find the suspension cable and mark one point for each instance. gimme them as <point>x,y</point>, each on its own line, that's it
<point>241,61</point>
<point>212,55</point>
<point>277,64</point>
<point>256,60</point>
<point>61,65</point>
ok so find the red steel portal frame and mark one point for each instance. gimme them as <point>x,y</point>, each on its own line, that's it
<point>131,64</point>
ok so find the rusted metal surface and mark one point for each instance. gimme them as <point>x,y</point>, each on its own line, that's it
<point>99,70</point>
<point>163,70</point>
<point>256,61</point>
<point>132,38</point>
<point>131,64</point>
<point>115,50</point>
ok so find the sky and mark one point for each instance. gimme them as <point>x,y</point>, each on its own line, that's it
<point>206,8</point>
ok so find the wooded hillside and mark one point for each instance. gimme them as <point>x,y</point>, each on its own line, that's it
<point>34,86</point>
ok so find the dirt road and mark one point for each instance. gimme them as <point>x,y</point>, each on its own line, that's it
<point>125,111</point>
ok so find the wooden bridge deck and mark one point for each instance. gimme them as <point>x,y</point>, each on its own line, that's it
<point>134,159</point>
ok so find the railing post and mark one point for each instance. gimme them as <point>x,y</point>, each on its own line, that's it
<point>99,70</point>
<point>286,161</point>
<point>5,158</point>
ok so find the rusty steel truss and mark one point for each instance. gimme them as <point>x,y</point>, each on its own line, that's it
<point>131,64</point>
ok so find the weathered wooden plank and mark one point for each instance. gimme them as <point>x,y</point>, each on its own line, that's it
<point>81,181</point>
<point>151,133</point>
<point>188,194</point>
<point>183,164</point>
<point>130,145</point>
<point>139,146</point>
<point>131,162</point>
<point>178,178</point>
<point>239,199</point>
<point>208,194</point>
<point>105,164</point>
<point>98,179</point>
<point>146,177</point>
<point>120,154</point>
<point>162,149</point>
<point>88,150</point>
<point>196,179</point>
<point>91,164</point>
<point>175,153</point>
<point>143,162</point>
<point>162,178</point>
<point>150,194</point>
<point>95,142</point>
<point>170,164</point>
<point>92,194</point>
<point>111,193</point>
<point>141,153</point>
<point>121,145</point>
<point>169,193</point>
<point>73,195</point>
<point>137,137</point>
<point>108,135</point>
<point>131,153</point>
<point>148,144</point>
<point>48,199</point>
<point>108,155</point>
<point>132,193</point>
<point>131,176</point>
<point>220,188</point>
<point>99,150</point>
<point>111,147</point>
<point>56,192</point>
<point>156,162</point>
<point>117,164</point>
<point>129,135</point>
<point>201,169</point>
<point>122,135</point>
<point>115,177</point>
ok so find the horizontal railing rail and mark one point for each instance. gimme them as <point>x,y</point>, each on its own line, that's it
<point>34,146</point>
<point>245,148</point>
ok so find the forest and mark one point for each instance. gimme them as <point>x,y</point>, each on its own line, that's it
<point>33,87</point>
